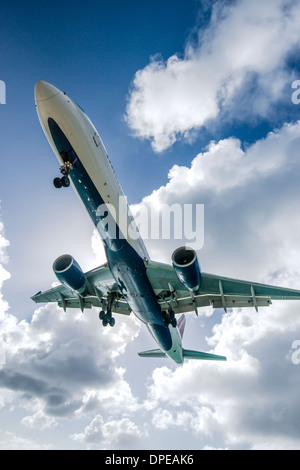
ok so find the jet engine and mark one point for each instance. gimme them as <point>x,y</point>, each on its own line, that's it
<point>68,272</point>
<point>186,266</point>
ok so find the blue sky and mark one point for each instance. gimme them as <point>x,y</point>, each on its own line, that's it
<point>193,102</point>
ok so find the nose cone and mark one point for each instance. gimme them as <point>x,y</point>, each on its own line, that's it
<point>44,90</point>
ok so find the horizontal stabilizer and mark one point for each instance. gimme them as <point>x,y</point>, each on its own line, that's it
<point>152,353</point>
<point>188,354</point>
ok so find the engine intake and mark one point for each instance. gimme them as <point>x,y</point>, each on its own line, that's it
<point>186,266</point>
<point>68,272</point>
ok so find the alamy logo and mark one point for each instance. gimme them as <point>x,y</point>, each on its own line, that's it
<point>296,353</point>
<point>2,92</point>
<point>174,222</point>
<point>296,94</point>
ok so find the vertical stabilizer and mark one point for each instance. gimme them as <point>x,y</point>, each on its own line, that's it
<point>181,325</point>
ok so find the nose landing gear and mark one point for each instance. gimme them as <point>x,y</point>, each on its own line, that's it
<point>65,171</point>
<point>59,182</point>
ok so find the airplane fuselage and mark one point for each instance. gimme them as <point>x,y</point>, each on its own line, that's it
<point>75,140</point>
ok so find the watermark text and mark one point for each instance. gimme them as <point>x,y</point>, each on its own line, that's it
<point>166,222</point>
<point>296,353</point>
<point>296,94</point>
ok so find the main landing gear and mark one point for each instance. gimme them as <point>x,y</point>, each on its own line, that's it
<point>65,171</point>
<point>169,318</point>
<point>106,317</point>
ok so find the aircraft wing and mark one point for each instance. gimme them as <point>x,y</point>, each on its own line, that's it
<point>215,291</point>
<point>100,282</point>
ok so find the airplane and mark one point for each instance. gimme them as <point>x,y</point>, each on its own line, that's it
<point>130,282</point>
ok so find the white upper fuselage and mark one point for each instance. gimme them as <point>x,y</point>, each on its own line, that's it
<point>87,143</point>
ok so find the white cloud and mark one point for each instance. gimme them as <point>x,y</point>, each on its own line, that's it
<point>38,420</point>
<point>249,196</point>
<point>112,398</point>
<point>97,249</point>
<point>245,45</point>
<point>251,231</point>
<point>4,276</point>
<point>121,433</point>
<point>4,244</point>
<point>202,420</point>
<point>57,358</point>
<point>12,441</point>
<point>60,364</point>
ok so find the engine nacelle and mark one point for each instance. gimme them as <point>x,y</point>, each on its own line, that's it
<point>185,263</point>
<point>68,272</point>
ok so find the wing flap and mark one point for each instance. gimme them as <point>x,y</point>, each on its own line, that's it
<point>188,304</point>
<point>232,301</point>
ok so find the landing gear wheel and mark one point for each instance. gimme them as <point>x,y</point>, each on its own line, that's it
<point>169,318</point>
<point>57,183</point>
<point>173,320</point>
<point>164,315</point>
<point>106,316</point>
<point>101,315</point>
<point>65,181</point>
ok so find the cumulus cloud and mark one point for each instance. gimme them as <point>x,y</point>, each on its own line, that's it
<point>250,401</point>
<point>122,433</point>
<point>244,49</point>
<point>61,365</point>
<point>251,231</point>
<point>249,195</point>
<point>58,361</point>
<point>4,276</point>
<point>12,441</point>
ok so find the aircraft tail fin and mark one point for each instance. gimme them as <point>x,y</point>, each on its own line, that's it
<point>188,354</point>
<point>152,353</point>
<point>181,324</point>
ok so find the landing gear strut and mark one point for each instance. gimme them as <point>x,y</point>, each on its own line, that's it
<point>169,318</point>
<point>106,317</point>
